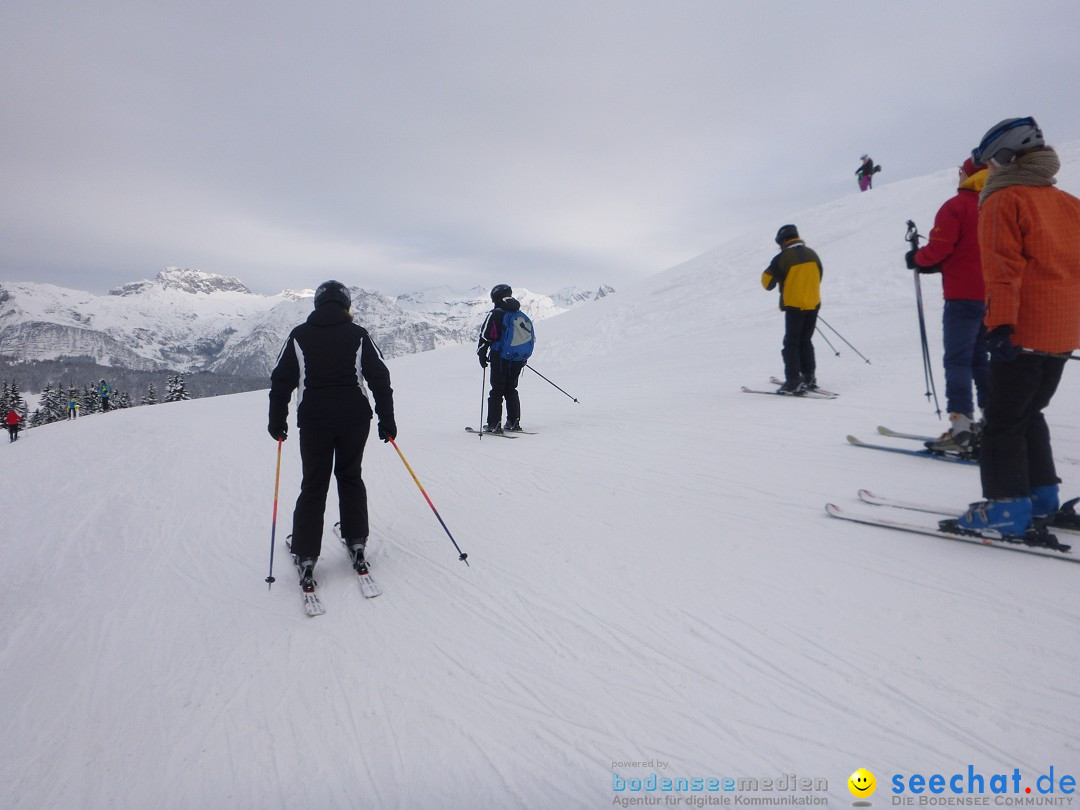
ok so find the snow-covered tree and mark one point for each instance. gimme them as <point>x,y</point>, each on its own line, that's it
<point>90,401</point>
<point>57,406</point>
<point>150,397</point>
<point>51,407</point>
<point>176,389</point>
<point>12,399</point>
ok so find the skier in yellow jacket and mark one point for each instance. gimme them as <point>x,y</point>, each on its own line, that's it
<point>797,270</point>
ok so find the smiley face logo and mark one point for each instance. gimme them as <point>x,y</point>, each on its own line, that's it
<point>862,783</point>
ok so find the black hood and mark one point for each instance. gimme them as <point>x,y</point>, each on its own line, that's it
<point>328,315</point>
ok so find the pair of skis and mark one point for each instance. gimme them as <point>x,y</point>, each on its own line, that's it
<point>313,606</point>
<point>813,393</point>
<point>1038,540</point>
<point>925,452</point>
<point>510,434</point>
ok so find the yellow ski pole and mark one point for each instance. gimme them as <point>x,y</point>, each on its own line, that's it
<point>273,525</point>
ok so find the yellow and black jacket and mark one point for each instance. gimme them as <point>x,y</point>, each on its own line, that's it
<point>797,269</point>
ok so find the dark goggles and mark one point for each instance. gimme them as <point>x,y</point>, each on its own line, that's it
<point>994,134</point>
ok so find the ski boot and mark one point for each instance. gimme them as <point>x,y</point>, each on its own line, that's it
<point>496,428</point>
<point>512,426</point>
<point>809,382</point>
<point>1044,501</point>
<point>795,388</point>
<point>307,571</point>
<point>959,438</point>
<point>356,554</point>
<point>1008,517</point>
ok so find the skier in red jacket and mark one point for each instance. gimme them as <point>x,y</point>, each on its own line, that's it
<point>12,420</point>
<point>953,250</point>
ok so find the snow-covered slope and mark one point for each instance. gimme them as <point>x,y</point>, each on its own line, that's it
<point>653,579</point>
<point>194,321</point>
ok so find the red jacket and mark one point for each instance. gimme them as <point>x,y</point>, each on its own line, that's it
<point>954,244</point>
<point>12,418</point>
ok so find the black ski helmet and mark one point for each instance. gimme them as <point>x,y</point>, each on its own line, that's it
<point>333,291</point>
<point>499,292</point>
<point>786,233</point>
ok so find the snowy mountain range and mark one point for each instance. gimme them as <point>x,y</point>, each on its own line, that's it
<point>190,320</point>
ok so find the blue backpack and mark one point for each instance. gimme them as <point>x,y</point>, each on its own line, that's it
<point>518,337</point>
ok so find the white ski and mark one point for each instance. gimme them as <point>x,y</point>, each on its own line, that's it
<point>933,531</point>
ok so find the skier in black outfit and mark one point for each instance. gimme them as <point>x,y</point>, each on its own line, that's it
<point>504,373</point>
<point>322,357</point>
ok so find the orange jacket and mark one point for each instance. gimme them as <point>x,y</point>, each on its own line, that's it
<point>1029,237</point>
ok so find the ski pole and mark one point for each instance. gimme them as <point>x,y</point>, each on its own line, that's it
<point>273,525</point>
<point>483,390</point>
<point>843,338</point>
<point>534,371</point>
<point>823,337</point>
<point>913,238</point>
<point>461,554</point>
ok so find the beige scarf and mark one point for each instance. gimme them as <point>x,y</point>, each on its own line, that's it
<point>1033,169</point>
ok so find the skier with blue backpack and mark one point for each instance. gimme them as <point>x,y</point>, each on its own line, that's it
<point>506,343</point>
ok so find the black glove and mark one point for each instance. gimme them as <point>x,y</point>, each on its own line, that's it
<point>387,429</point>
<point>278,429</point>
<point>999,342</point>
<point>909,259</point>
<point>483,361</point>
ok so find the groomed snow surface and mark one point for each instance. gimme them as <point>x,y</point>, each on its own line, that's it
<point>653,578</point>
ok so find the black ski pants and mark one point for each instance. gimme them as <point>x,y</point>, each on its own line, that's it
<point>1015,453</point>
<point>798,352</point>
<point>504,383</point>
<point>322,451</point>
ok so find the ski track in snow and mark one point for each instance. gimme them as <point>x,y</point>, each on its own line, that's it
<point>651,576</point>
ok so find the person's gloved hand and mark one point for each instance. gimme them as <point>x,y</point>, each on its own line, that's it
<point>387,429</point>
<point>909,259</point>
<point>278,429</point>
<point>999,342</point>
<point>483,361</point>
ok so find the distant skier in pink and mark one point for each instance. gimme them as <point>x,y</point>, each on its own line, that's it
<point>866,172</point>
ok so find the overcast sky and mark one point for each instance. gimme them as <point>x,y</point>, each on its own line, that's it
<point>405,144</point>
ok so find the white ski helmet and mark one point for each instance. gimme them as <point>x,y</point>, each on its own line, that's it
<point>1007,139</point>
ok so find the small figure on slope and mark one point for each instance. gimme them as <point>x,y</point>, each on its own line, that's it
<point>865,173</point>
<point>106,395</point>
<point>13,422</point>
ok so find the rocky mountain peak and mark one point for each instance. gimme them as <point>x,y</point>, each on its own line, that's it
<point>184,279</point>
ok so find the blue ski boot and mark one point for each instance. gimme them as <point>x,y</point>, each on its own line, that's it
<point>1011,517</point>
<point>1044,501</point>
